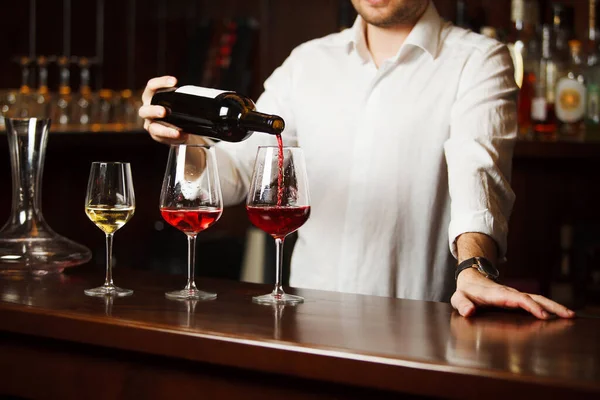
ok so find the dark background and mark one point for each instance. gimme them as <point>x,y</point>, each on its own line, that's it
<point>163,30</point>
<point>555,184</point>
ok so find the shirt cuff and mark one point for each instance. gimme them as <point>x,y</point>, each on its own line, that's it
<point>479,222</point>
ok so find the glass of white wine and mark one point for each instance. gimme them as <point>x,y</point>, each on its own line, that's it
<point>109,203</point>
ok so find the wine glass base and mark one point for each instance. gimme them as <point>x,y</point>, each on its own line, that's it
<point>284,298</point>
<point>102,291</point>
<point>190,294</point>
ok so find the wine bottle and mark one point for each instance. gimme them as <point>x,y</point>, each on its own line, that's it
<point>523,46</point>
<point>218,114</point>
<point>542,105</point>
<point>592,73</point>
<point>571,94</point>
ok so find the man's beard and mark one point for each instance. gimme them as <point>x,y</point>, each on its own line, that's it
<point>406,13</point>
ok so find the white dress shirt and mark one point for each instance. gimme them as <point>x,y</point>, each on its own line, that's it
<point>401,159</point>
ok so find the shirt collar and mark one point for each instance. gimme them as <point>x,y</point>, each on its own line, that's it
<point>425,35</point>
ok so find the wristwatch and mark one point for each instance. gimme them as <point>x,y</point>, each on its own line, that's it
<point>483,265</point>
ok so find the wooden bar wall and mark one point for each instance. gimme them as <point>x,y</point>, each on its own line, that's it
<point>284,24</point>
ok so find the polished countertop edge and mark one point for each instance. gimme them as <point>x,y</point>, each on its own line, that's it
<point>367,362</point>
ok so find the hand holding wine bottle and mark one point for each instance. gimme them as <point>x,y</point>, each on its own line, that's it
<point>159,132</point>
<point>149,112</point>
<point>218,114</point>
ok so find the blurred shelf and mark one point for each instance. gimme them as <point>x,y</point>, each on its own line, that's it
<point>524,149</point>
<point>94,128</point>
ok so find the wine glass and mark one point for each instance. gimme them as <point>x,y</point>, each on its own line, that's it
<point>278,203</point>
<point>191,201</point>
<point>109,203</point>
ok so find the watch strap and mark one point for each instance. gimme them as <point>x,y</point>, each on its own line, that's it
<point>481,264</point>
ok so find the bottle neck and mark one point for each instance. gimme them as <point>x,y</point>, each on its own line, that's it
<point>546,45</point>
<point>259,122</point>
<point>25,79</point>
<point>576,57</point>
<point>524,16</point>
<point>85,79</point>
<point>65,75</point>
<point>43,88</point>
<point>563,22</point>
<point>592,34</point>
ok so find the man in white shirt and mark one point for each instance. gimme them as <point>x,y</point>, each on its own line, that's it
<point>408,125</point>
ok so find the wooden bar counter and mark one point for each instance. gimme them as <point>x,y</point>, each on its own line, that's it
<point>55,342</point>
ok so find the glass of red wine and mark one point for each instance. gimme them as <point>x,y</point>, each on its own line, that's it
<point>191,201</point>
<point>278,203</point>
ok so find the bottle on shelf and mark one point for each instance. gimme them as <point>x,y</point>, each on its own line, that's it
<point>61,113</point>
<point>570,105</point>
<point>103,110</point>
<point>563,21</point>
<point>542,106</point>
<point>524,52</point>
<point>592,74</point>
<point>82,106</point>
<point>43,97</point>
<point>127,114</point>
<point>222,115</point>
<point>25,64</point>
<point>24,104</point>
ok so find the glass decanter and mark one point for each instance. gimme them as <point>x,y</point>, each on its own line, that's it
<point>27,243</point>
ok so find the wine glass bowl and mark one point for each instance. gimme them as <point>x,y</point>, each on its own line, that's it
<point>109,204</point>
<point>278,203</point>
<point>191,201</point>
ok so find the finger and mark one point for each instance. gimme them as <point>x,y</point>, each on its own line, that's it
<point>157,83</point>
<point>462,304</point>
<point>161,131</point>
<point>152,112</point>
<point>503,296</point>
<point>515,299</point>
<point>553,307</point>
<point>168,141</point>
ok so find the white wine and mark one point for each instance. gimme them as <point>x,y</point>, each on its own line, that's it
<point>109,218</point>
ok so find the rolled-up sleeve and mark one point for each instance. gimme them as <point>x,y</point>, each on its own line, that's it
<point>479,150</point>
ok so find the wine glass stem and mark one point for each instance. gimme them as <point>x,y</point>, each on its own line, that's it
<point>109,245</point>
<point>191,262</point>
<point>278,291</point>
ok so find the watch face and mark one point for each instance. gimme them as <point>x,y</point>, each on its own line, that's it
<point>486,268</point>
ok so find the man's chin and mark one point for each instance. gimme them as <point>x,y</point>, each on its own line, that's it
<point>379,21</point>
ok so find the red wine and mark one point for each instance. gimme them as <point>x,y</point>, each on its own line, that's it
<point>280,170</point>
<point>278,221</point>
<point>191,221</point>
<point>214,113</point>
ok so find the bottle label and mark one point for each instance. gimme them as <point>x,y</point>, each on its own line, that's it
<point>593,102</point>
<point>200,91</point>
<point>538,109</point>
<point>570,100</point>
